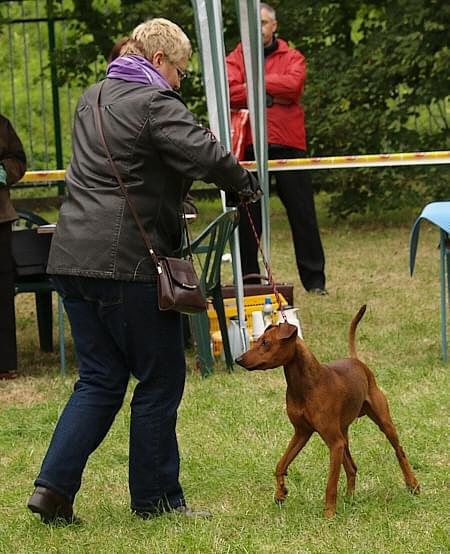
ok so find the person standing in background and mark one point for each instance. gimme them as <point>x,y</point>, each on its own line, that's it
<point>12,167</point>
<point>285,75</point>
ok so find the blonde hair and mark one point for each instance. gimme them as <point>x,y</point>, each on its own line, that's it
<point>158,34</point>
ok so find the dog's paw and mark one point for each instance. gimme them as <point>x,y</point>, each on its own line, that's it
<point>280,495</point>
<point>414,488</point>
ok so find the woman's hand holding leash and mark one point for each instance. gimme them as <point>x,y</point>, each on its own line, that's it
<point>253,192</point>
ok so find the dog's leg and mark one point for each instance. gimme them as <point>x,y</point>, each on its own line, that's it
<point>337,449</point>
<point>297,442</point>
<point>350,469</point>
<point>377,409</point>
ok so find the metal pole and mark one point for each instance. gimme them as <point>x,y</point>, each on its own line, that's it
<point>55,92</point>
<point>443,260</point>
<point>209,27</point>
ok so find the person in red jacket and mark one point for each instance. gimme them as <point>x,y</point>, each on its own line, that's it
<point>285,75</point>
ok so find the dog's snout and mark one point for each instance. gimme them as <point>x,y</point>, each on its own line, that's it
<point>244,361</point>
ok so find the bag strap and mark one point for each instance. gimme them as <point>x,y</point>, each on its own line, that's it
<point>144,236</point>
<point>254,276</point>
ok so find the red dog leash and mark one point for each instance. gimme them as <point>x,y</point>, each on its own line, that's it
<point>266,264</point>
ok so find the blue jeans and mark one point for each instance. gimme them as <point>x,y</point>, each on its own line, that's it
<point>119,331</point>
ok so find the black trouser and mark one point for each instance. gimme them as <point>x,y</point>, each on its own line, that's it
<point>295,191</point>
<point>8,349</point>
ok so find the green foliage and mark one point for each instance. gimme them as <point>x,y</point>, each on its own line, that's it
<point>27,94</point>
<point>377,81</point>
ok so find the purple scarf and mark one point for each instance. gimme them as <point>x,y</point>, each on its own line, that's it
<point>136,69</point>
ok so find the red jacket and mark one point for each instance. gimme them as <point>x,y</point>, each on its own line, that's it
<point>285,75</point>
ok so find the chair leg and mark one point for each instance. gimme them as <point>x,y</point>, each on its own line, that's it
<point>62,343</point>
<point>200,331</point>
<point>448,269</point>
<point>444,286</point>
<point>220,310</point>
<point>44,313</point>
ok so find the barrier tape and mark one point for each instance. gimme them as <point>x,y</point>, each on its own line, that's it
<point>43,176</point>
<point>366,160</point>
<point>328,162</point>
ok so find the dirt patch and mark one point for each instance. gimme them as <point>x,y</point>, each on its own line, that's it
<point>22,392</point>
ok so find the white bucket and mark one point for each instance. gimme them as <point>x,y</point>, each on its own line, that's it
<point>291,318</point>
<point>257,324</point>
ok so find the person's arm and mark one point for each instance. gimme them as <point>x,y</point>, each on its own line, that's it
<point>236,81</point>
<point>193,150</point>
<point>14,160</point>
<point>290,84</point>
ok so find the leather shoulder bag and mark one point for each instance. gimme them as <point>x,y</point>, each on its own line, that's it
<point>178,284</point>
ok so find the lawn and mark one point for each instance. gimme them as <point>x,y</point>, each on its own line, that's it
<point>233,427</point>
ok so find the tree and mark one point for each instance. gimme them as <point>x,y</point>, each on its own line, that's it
<point>377,81</point>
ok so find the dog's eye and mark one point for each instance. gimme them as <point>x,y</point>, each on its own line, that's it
<point>265,343</point>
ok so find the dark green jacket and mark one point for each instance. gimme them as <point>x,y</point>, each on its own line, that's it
<point>159,149</point>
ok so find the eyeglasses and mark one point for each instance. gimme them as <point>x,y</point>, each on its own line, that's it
<point>181,74</point>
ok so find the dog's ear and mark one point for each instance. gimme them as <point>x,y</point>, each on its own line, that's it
<point>287,331</point>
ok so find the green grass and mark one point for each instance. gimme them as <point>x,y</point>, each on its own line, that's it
<point>233,427</point>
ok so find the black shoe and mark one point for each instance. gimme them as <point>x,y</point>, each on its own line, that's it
<point>178,511</point>
<point>9,375</point>
<point>318,291</point>
<point>52,507</point>
<point>188,512</point>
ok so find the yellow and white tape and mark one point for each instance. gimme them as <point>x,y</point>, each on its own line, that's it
<point>328,162</point>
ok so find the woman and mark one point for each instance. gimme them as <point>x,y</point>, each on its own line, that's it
<point>107,279</point>
<point>12,167</point>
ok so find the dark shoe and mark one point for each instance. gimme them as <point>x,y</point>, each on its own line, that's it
<point>52,507</point>
<point>179,511</point>
<point>9,375</point>
<point>188,512</point>
<point>318,291</point>
<point>146,515</point>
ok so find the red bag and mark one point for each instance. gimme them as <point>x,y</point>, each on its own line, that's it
<point>240,128</point>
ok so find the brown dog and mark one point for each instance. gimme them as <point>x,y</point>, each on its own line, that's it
<point>325,398</point>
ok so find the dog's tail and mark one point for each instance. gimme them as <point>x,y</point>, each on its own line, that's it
<point>352,331</point>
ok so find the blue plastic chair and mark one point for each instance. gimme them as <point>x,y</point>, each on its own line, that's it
<point>437,213</point>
